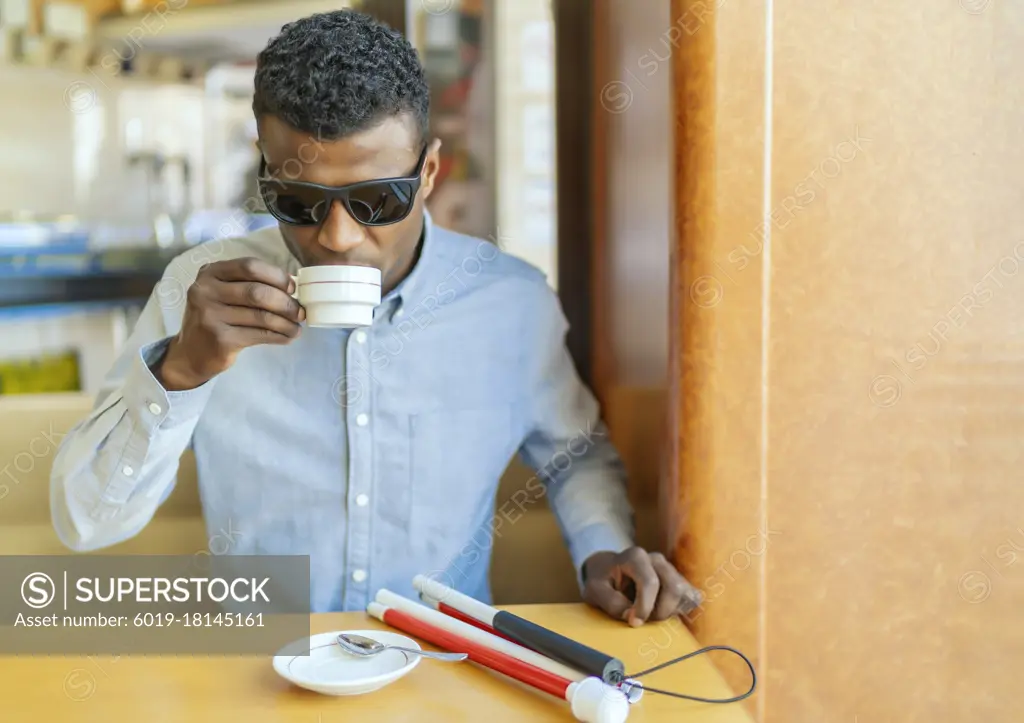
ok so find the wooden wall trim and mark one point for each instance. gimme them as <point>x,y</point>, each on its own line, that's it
<point>601,347</point>
<point>691,331</point>
<point>711,493</point>
<point>630,210</point>
<point>574,187</point>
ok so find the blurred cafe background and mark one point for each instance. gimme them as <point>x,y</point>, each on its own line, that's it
<point>126,136</point>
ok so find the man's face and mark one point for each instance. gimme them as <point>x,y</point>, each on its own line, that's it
<point>388,150</point>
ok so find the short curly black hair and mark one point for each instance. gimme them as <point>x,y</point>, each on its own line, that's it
<point>337,73</point>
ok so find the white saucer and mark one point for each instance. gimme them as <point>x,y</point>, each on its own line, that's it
<point>329,670</point>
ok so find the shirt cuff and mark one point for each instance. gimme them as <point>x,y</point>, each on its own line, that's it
<point>152,406</point>
<point>600,537</point>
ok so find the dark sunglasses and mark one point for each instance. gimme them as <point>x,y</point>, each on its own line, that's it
<point>379,202</point>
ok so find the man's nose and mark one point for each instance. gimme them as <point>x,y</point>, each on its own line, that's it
<point>339,232</point>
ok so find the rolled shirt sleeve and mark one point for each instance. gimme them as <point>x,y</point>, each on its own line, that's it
<point>117,466</point>
<point>569,448</point>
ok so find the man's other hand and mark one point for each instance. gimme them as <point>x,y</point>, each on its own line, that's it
<point>637,586</point>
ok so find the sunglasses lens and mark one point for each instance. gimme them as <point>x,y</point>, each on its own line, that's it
<point>293,204</point>
<point>381,203</point>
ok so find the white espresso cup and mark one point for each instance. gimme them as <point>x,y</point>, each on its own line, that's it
<point>338,297</point>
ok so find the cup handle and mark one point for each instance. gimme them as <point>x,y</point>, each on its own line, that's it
<point>295,294</point>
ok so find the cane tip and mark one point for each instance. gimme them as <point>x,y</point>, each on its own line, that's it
<point>593,701</point>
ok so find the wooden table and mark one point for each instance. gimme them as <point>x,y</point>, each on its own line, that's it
<point>246,690</point>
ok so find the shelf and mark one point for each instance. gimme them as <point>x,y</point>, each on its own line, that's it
<point>59,309</point>
<point>69,263</point>
<point>33,282</point>
<point>233,32</point>
<point>177,44</point>
<point>126,289</point>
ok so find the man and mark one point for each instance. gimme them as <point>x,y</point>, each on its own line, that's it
<point>375,451</point>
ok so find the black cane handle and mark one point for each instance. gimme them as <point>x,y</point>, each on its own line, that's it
<point>560,648</point>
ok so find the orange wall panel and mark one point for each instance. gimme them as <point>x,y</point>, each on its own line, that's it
<point>717,522</point>
<point>895,378</point>
<point>845,369</point>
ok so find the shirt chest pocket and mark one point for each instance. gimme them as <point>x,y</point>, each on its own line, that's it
<point>457,459</point>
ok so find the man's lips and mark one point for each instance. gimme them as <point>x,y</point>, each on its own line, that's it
<point>336,262</point>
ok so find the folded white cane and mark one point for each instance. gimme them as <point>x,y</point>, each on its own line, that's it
<point>590,699</point>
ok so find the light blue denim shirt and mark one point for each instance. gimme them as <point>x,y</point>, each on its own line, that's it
<point>378,452</point>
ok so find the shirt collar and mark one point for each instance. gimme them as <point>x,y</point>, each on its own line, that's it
<point>410,291</point>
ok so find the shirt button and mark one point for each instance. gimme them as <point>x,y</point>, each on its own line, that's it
<point>128,471</point>
<point>360,337</point>
<point>362,420</point>
<point>362,500</point>
<point>155,408</point>
<point>359,575</point>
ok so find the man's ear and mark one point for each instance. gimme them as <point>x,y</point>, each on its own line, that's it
<point>431,167</point>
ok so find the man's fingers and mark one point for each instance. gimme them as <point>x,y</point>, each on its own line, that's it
<point>673,590</point>
<point>639,568</point>
<point>243,336</point>
<point>601,594</point>
<point>254,294</point>
<point>252,269</point>
<point>253,318</point>
<point>637,586</point>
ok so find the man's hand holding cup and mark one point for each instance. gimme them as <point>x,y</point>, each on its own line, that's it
<point>232,305</point>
